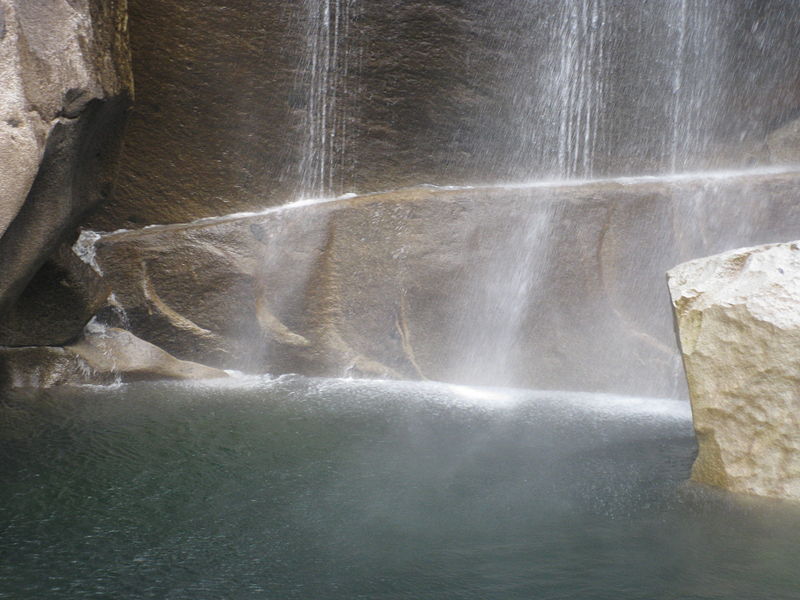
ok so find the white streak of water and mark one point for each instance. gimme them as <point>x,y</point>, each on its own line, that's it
<point>325,79</point>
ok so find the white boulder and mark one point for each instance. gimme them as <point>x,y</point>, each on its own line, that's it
<point>738,321</point>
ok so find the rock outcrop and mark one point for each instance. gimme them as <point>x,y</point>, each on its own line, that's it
<point>784,144</point>
<point>738,319</point>
<point>544,286</point>
<point>66,87</point>
<point>101,356</point>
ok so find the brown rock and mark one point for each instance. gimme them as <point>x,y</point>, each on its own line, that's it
<point>43,366</point>
<point>435,91</point>
<point>544,286</point>
<point>116,351</point>
<point>102,356</point>
<point>56,305</point>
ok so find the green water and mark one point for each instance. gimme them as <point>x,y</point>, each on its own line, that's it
<point>315,489</point>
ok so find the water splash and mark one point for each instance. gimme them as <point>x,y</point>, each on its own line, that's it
<point>85,248</point>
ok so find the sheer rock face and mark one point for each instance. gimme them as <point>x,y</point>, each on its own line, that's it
<point>738,319</point>
<point>66,84</point>
<point>434,91</point>
<point>417,283</point>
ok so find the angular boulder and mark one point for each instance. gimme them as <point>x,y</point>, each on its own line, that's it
<point>66,87</point>
<point>738,320</point>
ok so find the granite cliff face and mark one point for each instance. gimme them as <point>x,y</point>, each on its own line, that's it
<point>66,89</point>
<point>738,318</point>
<point>437,91</point>
<point>231,113</point>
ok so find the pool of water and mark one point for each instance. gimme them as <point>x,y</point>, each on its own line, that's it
<point>315,489</point>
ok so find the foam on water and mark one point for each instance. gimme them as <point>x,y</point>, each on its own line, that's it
<point>483,398</point>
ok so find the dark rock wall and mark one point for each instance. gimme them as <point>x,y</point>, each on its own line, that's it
<point>439,91</point>
<point>211,124</point>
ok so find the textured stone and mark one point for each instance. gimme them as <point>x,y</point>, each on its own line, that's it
<point>102,356</point>
<point>413,283</point>
<point>66,87</point>
<point>738,319</point>
<point>437,91</point>
<point>43,366</point>
<point>116,351</point>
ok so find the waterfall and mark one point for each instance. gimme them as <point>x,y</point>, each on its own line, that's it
<point>578,86</point>
<point>324,80</point>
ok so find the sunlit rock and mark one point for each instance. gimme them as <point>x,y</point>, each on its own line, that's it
<point>738,319</point>
<point>66,85</point>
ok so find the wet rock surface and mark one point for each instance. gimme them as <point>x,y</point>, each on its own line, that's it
<point>101,356</point>
<point>416,283</point>
<point>738,319</point>
<point>436,91</point>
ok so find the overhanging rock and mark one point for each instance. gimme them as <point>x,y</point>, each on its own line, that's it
<point>66,87</point>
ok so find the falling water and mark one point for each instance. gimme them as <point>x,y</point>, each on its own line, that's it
<point>526,91</point>
<point>578,86</point>
<point>599,88</point>
<point>700,31</point>
<point>324,80</point>
<point>557,66</point>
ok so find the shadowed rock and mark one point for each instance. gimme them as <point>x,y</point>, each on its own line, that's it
<point>56,305</point>
<point>102,356</point>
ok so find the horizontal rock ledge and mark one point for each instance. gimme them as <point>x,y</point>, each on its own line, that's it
<point>545,286</point>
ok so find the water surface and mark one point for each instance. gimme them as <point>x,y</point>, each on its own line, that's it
<point>303,488</point>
